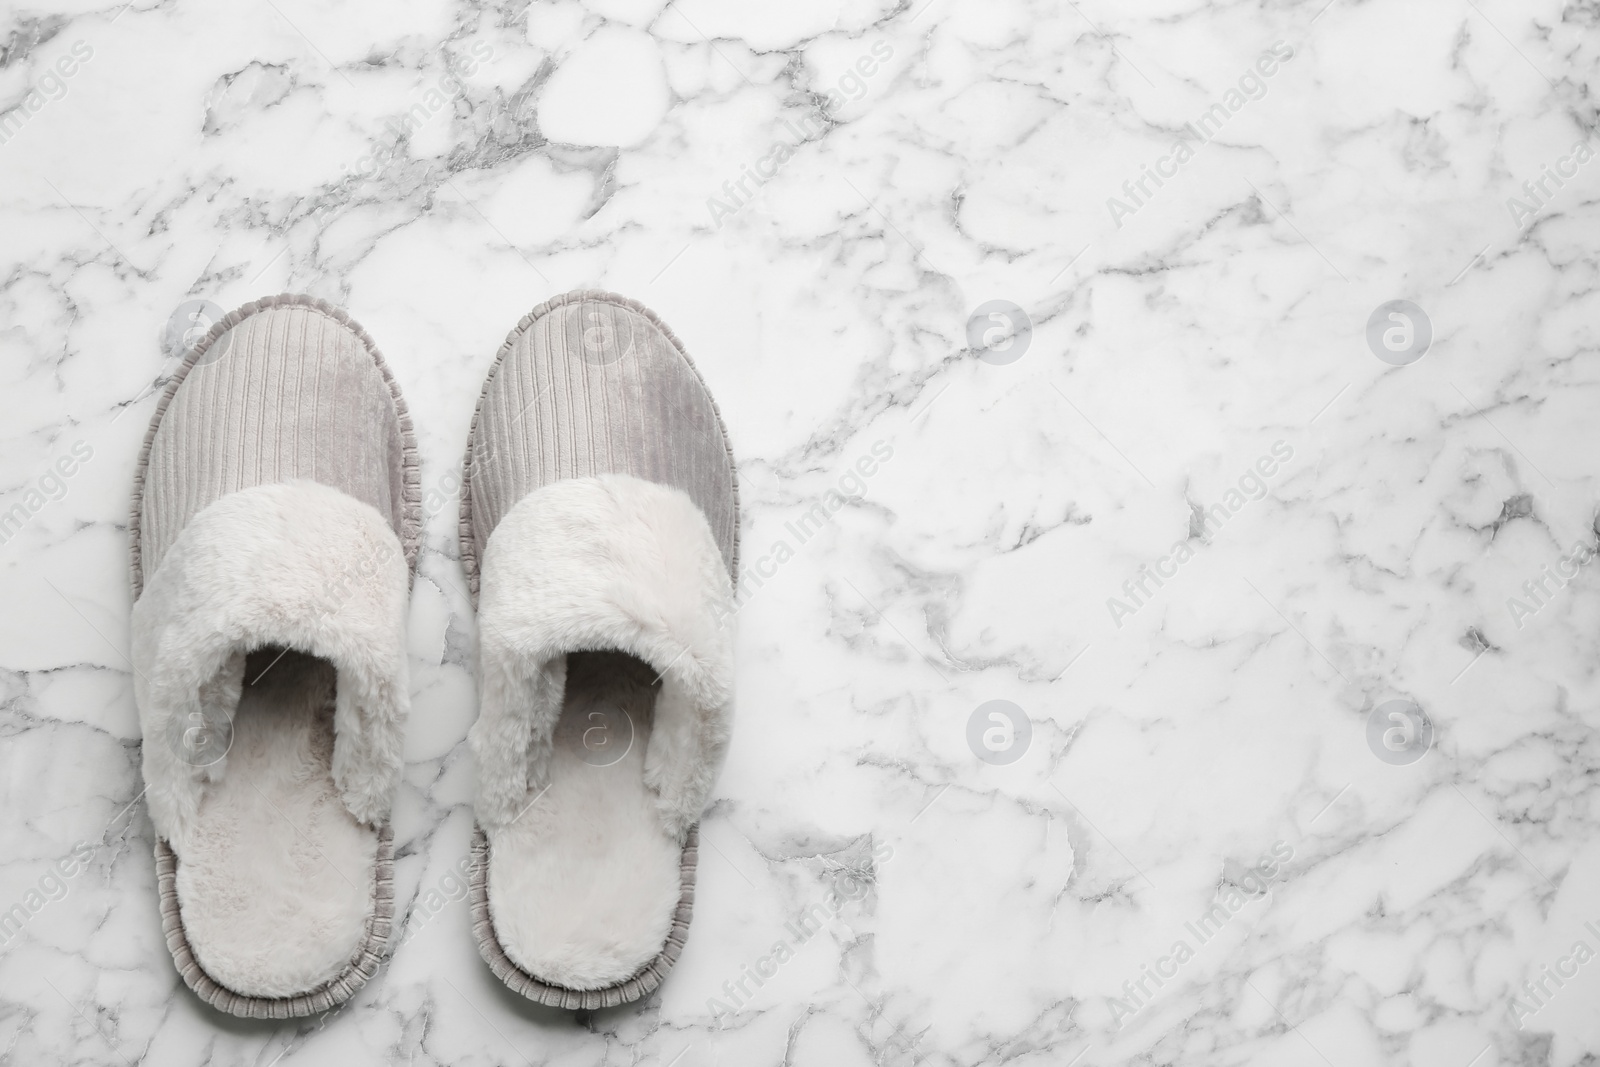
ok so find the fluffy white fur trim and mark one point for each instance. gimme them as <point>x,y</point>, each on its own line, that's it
<point>588,564</point>
<point>297,564</point>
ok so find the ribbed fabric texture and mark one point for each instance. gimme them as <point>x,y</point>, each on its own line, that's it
<point>591,383</point>
<point>294,394</point>
<point>283,387</point>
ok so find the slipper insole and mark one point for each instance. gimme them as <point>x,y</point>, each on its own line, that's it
<point>276,884</point>
<point>584,883</point>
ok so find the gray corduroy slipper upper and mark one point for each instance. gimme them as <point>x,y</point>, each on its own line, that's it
<point>273,533</point>
<point>599,531</point>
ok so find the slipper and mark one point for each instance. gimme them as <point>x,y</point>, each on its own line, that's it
<point>273,538</point>
<point>599,534</point>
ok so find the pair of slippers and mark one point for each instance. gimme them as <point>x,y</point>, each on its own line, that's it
<point>274,534</point>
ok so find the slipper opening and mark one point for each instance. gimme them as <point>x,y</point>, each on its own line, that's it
<point>275,879</point>
<point>584,882</point>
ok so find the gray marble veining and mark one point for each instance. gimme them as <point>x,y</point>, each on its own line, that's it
<point>1145,657</point>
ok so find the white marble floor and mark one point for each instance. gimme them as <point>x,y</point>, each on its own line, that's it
<point>1283,585</point>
